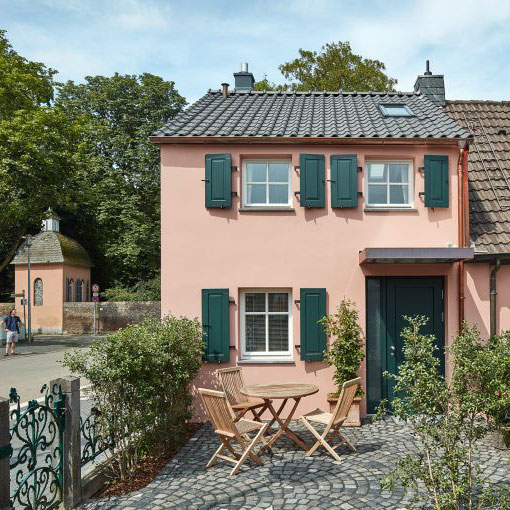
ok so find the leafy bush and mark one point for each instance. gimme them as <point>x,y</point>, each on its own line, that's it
<point>346,350</point>
<point>447,418</point>
<point>141,291</point>
<point>140,379</point>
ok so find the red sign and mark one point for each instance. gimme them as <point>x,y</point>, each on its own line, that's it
<point>95,287</point>
<point>95,299</point>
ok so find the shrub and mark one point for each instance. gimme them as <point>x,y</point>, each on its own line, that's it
<point>346,350</point>
<point>446,418</point>
<point>149,290</point>
<point>140,379</point>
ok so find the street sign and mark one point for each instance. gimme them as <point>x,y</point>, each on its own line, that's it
<point>19,294</point>
<point>95,297</point>
<point>95,287</point>
<point>24,301</point>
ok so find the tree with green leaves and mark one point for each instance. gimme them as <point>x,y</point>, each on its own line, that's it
<point>449,419</point>
<point>38,144</point>
<point>119,220</point>
<point>335,67</point>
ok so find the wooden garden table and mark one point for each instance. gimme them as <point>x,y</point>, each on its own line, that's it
<point>285,391</point>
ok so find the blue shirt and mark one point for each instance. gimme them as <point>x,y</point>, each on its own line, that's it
<point>11,323</point>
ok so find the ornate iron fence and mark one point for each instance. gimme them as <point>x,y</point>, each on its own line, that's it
<point>37,441</point>
<point>93,442</point>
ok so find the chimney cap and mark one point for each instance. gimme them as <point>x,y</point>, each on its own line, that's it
<point>427,68</point>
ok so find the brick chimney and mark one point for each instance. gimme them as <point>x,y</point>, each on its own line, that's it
<point>431,85</point>
<point>244,80</point>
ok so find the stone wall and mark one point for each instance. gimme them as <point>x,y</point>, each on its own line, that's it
<point>79,317</point>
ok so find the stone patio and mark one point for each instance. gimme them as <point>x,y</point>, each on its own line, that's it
<point>287,480</point>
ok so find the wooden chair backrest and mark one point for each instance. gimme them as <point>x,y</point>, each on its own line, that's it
<point>345,399</point>
<point>220,413</point>
<point>232,382</point>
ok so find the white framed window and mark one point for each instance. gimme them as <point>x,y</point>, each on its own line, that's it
<point>266,324</point>
<point>267,183</point>
<point>389,184</point>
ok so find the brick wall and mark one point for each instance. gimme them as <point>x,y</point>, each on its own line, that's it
<point>79,317</point>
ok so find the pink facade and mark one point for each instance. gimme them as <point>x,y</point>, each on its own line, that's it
<point>48,317</point>
<point>234,249</point>
<point>478,297</point>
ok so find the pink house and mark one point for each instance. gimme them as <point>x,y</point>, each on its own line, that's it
<point>276,206</point>
<point>59,272</point>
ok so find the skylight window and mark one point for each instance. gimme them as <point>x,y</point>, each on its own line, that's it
<point>396,110</point>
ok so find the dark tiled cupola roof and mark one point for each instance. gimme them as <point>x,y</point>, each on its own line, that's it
<point>53,248</point>
<point>311,115</point>
<point>489,171</point>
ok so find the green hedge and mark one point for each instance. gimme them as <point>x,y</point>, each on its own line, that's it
<point>140,379</point>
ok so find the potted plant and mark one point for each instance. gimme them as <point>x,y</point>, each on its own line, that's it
<point>345,353</point>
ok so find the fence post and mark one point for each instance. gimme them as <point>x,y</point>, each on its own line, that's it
<point>5,442</point>
<point>72,441</point>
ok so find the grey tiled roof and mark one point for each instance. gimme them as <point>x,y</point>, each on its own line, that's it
<point>489,171</point>
<point>53,247</point>
<point>310,114</point>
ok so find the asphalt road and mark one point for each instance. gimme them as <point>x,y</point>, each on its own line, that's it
<point>37,363</point>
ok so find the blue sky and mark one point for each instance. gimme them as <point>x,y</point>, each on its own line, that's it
<point>199,44</point>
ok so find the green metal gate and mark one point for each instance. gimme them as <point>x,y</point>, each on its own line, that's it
<point>37,441</point>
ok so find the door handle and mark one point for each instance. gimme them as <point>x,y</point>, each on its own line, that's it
<point>392,350</point>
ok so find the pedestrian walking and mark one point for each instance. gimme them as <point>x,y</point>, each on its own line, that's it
<point>11,325</point>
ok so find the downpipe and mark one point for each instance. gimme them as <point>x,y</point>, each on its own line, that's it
<point>494,297</point>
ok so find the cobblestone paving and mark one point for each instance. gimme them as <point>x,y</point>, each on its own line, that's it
<point>287,480</point>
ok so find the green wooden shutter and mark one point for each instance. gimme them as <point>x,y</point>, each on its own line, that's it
<point>216,324</point>
<point>436,181</point>
<point>218,180</point>
<point>313,336</point>
<point>344,181</point>
<point>312,178</point>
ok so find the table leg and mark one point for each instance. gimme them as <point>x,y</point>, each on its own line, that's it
<point>284,429</point>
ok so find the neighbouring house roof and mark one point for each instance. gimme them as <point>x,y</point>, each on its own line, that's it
<point>51,248</point>
<point>488,171</point>
<point>257,114</point>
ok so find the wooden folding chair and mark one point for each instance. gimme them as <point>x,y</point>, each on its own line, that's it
<point>333,421</point>
<point>232,381</point>
<point>223,421</point>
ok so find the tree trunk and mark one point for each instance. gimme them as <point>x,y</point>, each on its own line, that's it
<point>14,248</point>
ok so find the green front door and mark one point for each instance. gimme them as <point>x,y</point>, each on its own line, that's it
<point>389,299</point>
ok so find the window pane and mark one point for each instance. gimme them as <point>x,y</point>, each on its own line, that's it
<point>278,172</point>
<point>278,332</point>
<point>255,333</point>
<point>399,172</point>
<point>396,109</point>
<point>377,172</point>
<point>278,194</point>
<point>399,194</point>
<point>256,193</point>
<point>255,302</point>
<point>278,302</point>
<point>377,194</point>
<point>256,172</point>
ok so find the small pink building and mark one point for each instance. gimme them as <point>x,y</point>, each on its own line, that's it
<point>276,206</point>
<point>59,272</point>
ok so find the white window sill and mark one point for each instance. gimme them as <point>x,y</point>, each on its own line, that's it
<point>265,361</point>
<point>266,208</point>
<point>392,209</point>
